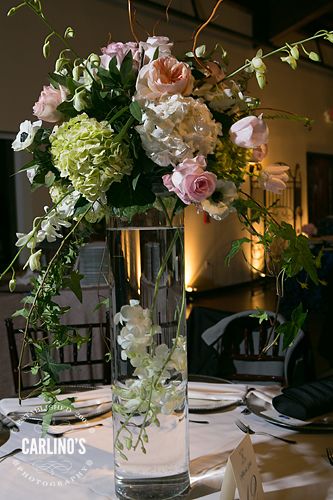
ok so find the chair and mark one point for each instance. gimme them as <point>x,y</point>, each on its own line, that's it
<point>238,341</point>
<point>93,264</point>
<point>88,363</point>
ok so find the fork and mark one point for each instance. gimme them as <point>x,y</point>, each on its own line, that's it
<point>248,430</point>
<point>329,453</point>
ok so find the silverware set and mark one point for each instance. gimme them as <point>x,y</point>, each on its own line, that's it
<point>248,430</point>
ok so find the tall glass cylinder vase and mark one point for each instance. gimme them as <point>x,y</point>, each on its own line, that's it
<point>149,356</point>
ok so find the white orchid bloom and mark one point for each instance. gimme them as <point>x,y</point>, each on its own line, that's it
<point>28,240</point>
<point>34,261</point>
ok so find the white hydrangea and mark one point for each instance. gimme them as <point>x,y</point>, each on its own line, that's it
<point>66,206</point>
<point>224,99</point>
<point>176,128</point>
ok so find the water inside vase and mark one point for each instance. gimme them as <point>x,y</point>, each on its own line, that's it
<point>147,265</point>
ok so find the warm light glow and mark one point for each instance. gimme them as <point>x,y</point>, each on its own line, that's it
<point>130,243</point>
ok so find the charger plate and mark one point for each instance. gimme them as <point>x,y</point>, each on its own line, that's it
<point>86,406</point>
<point>265,410</point>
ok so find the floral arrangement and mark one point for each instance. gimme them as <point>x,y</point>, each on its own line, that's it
<point>134,127</point>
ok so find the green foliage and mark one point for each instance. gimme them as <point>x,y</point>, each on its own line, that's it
<point>54,406</point>
<point>236,245</point>
<point>297,255</point>
<point>261,315</point>
<point>73,282</point>
<point>290,329</point>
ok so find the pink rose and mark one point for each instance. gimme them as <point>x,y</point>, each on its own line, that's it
<point>164,76</point>
<point>190,181</point>
<point>259,153</point>
<point>249,132</point>
<point>46,107</point>
<point>153,43</point>
<point>120,50</point>
<point>274,178</point>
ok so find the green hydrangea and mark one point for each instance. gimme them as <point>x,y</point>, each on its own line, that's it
<point>230,161</point>
<point>85,151</point>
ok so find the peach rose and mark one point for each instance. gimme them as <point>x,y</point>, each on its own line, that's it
<point>164,76</point>
<point>249,132</point>
<point>190,182</point>
<point>46,107</point>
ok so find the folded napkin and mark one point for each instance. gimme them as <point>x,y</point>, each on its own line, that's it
<point>306,401</point>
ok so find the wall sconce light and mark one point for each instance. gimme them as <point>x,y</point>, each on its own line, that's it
<point>328,115</point>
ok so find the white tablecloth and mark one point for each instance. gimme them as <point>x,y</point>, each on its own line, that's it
<point>289,472</point>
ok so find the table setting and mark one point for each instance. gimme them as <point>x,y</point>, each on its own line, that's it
<point>288,469</point>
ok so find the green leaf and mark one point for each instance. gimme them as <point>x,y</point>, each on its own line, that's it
<point>68,109</point>
<point>34,370</point>
<point>156,53</point>
<point>54,407</point>
<point>79,210</point>
<point>136,111</point>
<point>126,69</point>
<point>297,255</point>
<point>56,79</point>
<point>51,367</point>
<point>105,302</point>
<point>290,328</point>
<point>135,181</point>
<point>261,315</point>
<point>21,312</point>
<point>236,245</point>
<point>113,69</point>
<point>200,51</point>
<point>74,284</point>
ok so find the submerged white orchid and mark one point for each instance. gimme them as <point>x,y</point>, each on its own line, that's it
<point>158,368</point>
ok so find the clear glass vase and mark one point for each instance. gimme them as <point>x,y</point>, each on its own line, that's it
<point>149,368</point>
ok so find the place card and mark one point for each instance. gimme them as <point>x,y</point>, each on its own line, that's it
<point>242,473</point>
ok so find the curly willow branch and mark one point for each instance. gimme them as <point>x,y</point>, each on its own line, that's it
<point>131,18</point>
<point>200,29</point>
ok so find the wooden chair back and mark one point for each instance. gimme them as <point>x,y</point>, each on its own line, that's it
<point>239,341</point>
<point>88,364</point>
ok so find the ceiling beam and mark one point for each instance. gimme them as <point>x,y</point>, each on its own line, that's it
<point>287,16</point>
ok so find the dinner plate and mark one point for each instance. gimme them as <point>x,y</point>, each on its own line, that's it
<point>89,402</point>
<point>76,415</point>
<point>204,405</point>
<point>264,409</point>
<point>203,397</point>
